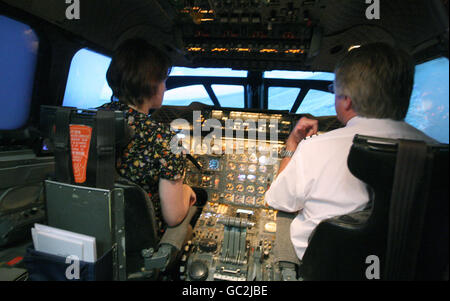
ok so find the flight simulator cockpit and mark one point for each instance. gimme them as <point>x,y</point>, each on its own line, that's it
<point>244,72</point>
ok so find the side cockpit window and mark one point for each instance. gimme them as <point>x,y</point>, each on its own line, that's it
<point>428,109</point>
<point>86,86</point>
<point>19,47</point>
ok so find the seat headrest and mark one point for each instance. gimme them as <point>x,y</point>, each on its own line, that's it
<point>123,132</point>
<point>372,159</point>
<point>84,142</point>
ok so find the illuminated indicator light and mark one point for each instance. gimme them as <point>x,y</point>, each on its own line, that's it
<point>206,19</point>
<point>268,51</point>
<point>243,49</point>
<point>195,49</point>
<point>219,49</point>
<point>294,51</point>
<point>353,47</point>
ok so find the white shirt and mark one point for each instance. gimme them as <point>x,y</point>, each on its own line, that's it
<point>317,182</point>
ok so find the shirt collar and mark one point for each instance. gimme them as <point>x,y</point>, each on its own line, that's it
<point>358,120</point>
<point>131,111</point>
<point>354,121</point>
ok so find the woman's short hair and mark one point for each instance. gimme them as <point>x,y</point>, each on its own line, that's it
<point>136,70</point>
<point>379,80</point>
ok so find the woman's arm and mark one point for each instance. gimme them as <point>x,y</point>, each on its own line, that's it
<point>176,198</point>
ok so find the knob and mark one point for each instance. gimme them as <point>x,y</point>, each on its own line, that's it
<point>198,271</point>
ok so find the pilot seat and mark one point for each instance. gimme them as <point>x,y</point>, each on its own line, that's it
<point>403,232</point>
<point>88,197</point>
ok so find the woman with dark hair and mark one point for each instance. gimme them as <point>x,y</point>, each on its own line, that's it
<point>137,76</point>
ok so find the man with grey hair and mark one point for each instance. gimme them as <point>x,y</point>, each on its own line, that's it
<point>373,86</point>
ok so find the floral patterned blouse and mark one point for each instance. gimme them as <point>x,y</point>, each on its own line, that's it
<point>148,157</point>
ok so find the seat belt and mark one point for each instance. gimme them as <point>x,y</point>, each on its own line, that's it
<point>407,211</point>
<point>62,145</point>
<point>105,149</point>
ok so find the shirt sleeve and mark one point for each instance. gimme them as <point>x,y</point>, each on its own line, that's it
<point>172,165</point>
<point>288,191</point>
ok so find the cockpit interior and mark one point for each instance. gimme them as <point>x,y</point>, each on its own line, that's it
<point>244,72</point>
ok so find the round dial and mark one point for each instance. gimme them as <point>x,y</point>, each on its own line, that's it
<point>252,168</point>
<point>253,158</point>
<point>250,188</point>
<point>263,160</point>
<point>242,158</point>
<point>250,200</point>
<point>215,196</point>
<point>261,179</point>
<point>229,197</point>
<point>251,178</point>
<point>260,201</point>
<point>239,199</point>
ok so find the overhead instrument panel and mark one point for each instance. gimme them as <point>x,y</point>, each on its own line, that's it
<point>247,34</point>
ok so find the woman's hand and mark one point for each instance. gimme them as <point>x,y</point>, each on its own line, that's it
<point>176,198</point>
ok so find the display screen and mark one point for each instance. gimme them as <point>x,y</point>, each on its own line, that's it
<point>214,164</point>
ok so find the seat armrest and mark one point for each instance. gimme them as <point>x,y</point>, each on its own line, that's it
<point>175,236</point>
<point>169,246</point>
<point>284,249</point>
<point>351,221</point>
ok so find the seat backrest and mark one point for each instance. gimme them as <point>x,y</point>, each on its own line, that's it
<point>84,143</point>
<point>339,247</point>
<point>103,135</point>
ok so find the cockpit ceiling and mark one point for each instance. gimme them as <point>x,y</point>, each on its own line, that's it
<point>254,34</point>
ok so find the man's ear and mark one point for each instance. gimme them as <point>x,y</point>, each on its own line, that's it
<point>348,104</point>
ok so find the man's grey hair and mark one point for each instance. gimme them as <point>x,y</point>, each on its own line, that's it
<point>379,80</point>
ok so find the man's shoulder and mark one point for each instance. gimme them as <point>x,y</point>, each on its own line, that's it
<point>382,128</point>
<point>326,145</point>
<point>331,137</point>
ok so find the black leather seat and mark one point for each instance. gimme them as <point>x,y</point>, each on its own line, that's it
<point>390,227</point>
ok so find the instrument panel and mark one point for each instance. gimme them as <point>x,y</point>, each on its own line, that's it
<point>234,236</point>
<point>235,233</point>
<point>236,179</point>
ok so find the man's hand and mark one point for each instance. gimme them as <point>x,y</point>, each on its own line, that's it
<point>305,127</point>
